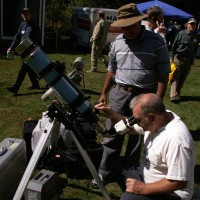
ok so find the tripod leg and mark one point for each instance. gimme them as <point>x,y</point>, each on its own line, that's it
<point>33,161</point>
<point>90,166</point>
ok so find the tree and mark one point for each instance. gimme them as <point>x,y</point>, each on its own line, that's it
<point>58,17</point>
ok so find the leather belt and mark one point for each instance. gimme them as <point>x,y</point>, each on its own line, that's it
<point>132,89</point>
<point>129,88</point>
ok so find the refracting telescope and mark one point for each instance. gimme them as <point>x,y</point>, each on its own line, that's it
<point>67,93</point>
<point>37,60</point>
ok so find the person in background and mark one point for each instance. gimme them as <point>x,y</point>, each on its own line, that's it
<point>177,26</point>
<point>166,170</point>
<point>98,41</point>
<point>139,61</point>
<point>183,54</point>
<point>172,31</point>
<point>155,21</point>
<point>27,29</point>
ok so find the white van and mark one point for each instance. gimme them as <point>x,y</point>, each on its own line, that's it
<point>83,23</point>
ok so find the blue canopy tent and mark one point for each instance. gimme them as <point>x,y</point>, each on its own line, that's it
<point>169,11</point>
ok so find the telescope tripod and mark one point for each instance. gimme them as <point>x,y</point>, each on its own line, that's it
<point>68,120</point>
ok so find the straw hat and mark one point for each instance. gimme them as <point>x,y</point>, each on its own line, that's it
<point>128,15</point>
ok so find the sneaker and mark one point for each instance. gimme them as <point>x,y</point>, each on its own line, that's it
<point>94,184</point>
<point>92,70</point>
<point>12,90</point>
<point>175,99</point>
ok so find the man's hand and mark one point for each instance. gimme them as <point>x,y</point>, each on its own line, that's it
<point>134,186</point>
<point>101,106</point>
<point>103,98</point>
<point>161,27</point>
<point>105,108</point>
<point>10,53</point>
<point>109,113</point>
<point>163,186</point>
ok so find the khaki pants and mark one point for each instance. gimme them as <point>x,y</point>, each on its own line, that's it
<point>182,71</point>
<point>96,53</point>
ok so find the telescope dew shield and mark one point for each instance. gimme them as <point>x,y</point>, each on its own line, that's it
<point>78,63</point>
<point>51,94</point>
<point>37,60</point>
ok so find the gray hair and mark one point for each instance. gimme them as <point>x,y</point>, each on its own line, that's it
<point>150,103</point>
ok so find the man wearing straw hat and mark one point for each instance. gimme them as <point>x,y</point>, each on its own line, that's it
<point>139,61</point>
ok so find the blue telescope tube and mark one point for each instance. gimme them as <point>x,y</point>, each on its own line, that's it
<point>37,60</point>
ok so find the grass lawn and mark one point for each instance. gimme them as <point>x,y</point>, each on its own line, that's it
<point>15,110</point>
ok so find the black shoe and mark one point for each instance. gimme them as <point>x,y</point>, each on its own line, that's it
<point>12,90</point>
<point>32,87</point>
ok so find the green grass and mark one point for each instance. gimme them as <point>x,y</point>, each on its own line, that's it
<point>15,110</point>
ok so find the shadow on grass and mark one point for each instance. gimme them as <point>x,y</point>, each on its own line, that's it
<point>195,134</point>
<point>196,174</point>
<point>190,98</point>
<point>88,190</point>
<point>30,93</point>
